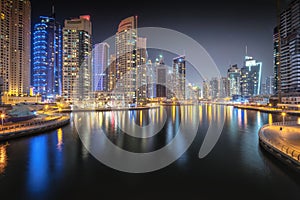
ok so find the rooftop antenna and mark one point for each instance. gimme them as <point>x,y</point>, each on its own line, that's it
<point>246,51</point>
<point>52,10</point>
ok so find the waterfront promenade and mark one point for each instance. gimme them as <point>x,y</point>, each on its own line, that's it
<point>33,126</point>
<point>282,139</point>
<point>268,109</point>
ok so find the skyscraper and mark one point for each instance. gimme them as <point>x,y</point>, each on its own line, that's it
<point>269,85</point>
<point>15,30</point>
<point>179,78</point>
<point>215,88</point>
<point>77,49</point>
<point>5,42</point>
<point>251,77</point>
<point>100,65</point>
<point>289,38</point>
<point>206,89</point>
<point>276,58</point>
<point>47,58</point>
<point>161,78</point>
<point>224,87</point>
<point>112,73</point>
<point>233,75</point>
<point>126,50</point>
<point>141,69</point>
<point>151,79</point>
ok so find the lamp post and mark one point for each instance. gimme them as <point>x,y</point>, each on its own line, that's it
<point>283,115</point>
<point>2,118</point>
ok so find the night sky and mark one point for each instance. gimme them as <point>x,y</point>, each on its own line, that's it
<point>222,27</point>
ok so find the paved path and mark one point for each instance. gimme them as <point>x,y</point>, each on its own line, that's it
<point>283,139</point>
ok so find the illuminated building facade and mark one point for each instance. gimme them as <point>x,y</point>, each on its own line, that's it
<point>126,59</point>
<point>276,58</point>
<point>77,49</point>
<point>47,58</point>
<point>112,73</point>
<point>251,77</point>
<point>179,77</point>
<point>233,75</point>
<point>15,32</point>
<point>141,69</point>
<point>206,94</point>
<point>100,65</point>
<point>289,58</point>
<point>161,79</point>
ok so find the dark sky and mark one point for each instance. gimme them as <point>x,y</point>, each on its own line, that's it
<point>222,27</point>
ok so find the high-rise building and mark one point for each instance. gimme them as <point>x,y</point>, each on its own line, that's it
<point>276,58</point>
<point>5,42</point>
<point>1,89</point>
<point>141,69</point>
<point>269,85</point>
<point>126,55</point>
<point>224,87</point>
<point>179,77</point>
<point>15,37</point>
<point>206,90</point>
<point>100,65</point>
<point>251,77</point>
<point>289,48</point>
<point>193,92</point>
<point>47,58</point>
<point>233,75</point>
<point>161,79</point>
<point>215,88</point>
<point>151,79</point>
<point>77,49</point>
<point>112,73</point>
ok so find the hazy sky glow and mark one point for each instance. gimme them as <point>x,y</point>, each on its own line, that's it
<point>223,28</point>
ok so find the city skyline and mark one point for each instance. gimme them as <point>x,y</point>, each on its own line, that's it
<point>218,31</point>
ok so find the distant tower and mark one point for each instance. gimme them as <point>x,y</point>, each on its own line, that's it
<point>234,75</point>
<point>161,71</point>
<point>100,65</point>
<point>179,77</point>
<point>251,77</point>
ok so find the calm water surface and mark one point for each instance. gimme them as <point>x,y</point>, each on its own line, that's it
<point>56,165</point>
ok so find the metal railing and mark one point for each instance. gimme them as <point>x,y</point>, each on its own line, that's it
<point>30,123</point>
<point>289,151</point>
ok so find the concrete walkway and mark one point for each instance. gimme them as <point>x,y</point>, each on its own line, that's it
<point>33,127</point>
<point>283,141</point>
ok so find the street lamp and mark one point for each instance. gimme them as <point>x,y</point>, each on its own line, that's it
<point>2,117</point>
<point>283,115</point>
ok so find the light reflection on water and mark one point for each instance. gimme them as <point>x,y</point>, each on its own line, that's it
<point>46,160</point>
<point>3,157</point>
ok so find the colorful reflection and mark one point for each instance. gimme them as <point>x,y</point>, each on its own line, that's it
<point>270,119</point>
<point>38,172</point>
<point>3,158</point>
<point>59,139</point>
<point>258,118</point>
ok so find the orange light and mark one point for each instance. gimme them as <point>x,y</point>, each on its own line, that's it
<point>87,17</point>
